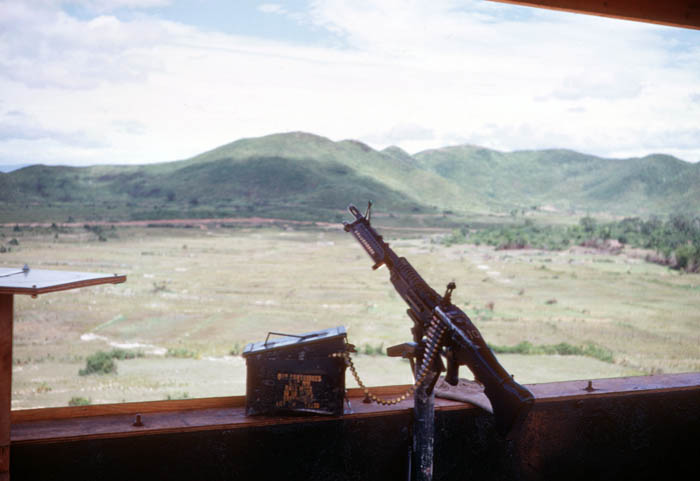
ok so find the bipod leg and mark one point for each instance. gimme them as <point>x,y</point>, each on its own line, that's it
<point>424,429</point>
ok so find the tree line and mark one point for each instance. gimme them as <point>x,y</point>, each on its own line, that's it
<point>676,239</point>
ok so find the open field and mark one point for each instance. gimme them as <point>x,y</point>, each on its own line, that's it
<point>195,297</point>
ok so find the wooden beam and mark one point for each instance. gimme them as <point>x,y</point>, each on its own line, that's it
<point>6,304</point>
<point>675,13</point>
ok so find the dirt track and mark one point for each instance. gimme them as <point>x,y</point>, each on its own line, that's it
<point>202,223</point>
<point>206,223</point>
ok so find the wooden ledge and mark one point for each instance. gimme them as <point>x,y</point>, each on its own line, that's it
<point>225,413</point>
<point>117,420</point>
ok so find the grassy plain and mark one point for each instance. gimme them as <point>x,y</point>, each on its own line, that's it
<point>195,297</point>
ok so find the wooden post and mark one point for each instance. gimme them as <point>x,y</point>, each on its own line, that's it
<point>5,383</point>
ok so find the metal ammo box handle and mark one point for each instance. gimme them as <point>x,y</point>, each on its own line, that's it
<point>301,338</point>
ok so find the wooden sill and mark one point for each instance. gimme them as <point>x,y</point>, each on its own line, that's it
<point>116,420</point>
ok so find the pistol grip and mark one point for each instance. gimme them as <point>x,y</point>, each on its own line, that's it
<point>452,374</point>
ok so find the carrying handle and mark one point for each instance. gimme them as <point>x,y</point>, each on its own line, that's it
<point>301,338</point>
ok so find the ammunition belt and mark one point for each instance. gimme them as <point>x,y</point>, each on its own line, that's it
<point>433,344</point>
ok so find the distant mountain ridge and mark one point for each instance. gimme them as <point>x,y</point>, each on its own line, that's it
<point>11,167</point>
<point>306,176</point>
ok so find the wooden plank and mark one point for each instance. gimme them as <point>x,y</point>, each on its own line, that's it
<point>44,414</point>
<point>675,13</point>
<point>6,301</point>
<point>618,386</point>
<point>30,426</point>
<point>111,427</point>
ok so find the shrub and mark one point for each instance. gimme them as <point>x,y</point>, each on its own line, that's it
<point>598,352</point>
<point>587,223</point>
<point>99,363</point>
<point>562,349</point>
<point>687,257</point>
<point>565,349</point>
<point>79,401</point>
<point>103,362</point>
<point>377,350</point>
<point>173,397</point>
<point>236,350</point>
<point>160,286</point>
<point>122,354</point>
<point>180,352</point>
<point>523,347</point>
<point>43,387</point>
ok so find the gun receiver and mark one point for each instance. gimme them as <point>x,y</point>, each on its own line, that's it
<point>461,343</point>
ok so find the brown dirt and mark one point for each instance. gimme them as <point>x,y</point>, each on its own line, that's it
<point>202,223</point>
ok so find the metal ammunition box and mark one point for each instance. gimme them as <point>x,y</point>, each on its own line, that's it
<point>296,373</point>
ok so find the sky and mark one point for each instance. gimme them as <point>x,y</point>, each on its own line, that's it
<point>139,81</point>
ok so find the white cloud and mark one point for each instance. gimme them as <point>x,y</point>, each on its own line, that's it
<point>46,48</point>
<point>101,6</point>
<point>272,8</point>
<point>603,85</point>
<point>420,75</point>
<point>596,75</point>
<point>406,131</point>
<point>18,126</point>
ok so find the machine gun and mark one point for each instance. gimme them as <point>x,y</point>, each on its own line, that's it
<point>441,328</point>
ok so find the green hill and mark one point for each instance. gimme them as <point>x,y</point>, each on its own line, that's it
<point>399,173</point>
<point>571,181</point>
<point>303,176</point>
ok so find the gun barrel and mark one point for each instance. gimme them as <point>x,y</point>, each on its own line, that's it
<point>367,237</point>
